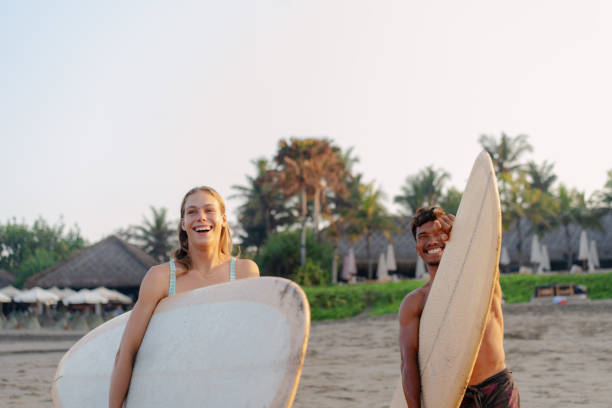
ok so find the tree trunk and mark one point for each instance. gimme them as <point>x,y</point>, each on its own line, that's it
<point>303,236</point>
<point>335,265</point>
<point>570,252</point>
<point>317,211</point>
<point>369,257</point>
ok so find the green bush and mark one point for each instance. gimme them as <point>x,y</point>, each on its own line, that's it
<point>311,274</point>
<point>280,255</point>
<point>342,301</point>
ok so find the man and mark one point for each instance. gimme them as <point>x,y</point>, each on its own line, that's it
<point>491,384</point>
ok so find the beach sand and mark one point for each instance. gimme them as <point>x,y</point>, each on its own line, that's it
<point>561,356</point>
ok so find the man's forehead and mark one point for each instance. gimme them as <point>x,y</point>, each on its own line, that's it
<point>426,227</point>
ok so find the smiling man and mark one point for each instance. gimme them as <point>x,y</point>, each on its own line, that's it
<point>491,384</point>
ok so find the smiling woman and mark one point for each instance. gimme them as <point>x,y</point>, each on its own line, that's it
<point>202,259</point>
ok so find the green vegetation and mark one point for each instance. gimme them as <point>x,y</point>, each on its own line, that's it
<point>339,302</point>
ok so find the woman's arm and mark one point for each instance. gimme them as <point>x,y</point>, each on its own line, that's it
<point>153,288</point>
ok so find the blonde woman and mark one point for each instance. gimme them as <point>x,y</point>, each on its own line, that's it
<point>202,259</point>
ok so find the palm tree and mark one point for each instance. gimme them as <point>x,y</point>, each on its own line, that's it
<point>154,235</point>
<point>506,151</point>
<point>423,188</point>
<point>371,216</point>
<point>309,168</point>
<point>451,200</point>
<point>523,202</point>
<point>572,208</point>
<point>541,176</point>
<point>264,209</point>
<point>603,197</point>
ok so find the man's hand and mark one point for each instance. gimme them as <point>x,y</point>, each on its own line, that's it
<point>445,223</point>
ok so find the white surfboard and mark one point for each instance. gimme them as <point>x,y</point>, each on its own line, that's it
<point>237,344</point>
<point>454,317</point>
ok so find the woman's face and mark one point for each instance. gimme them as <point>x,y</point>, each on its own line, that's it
<point>203,219</point>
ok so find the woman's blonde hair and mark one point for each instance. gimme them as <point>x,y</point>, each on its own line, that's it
<point>225,241</point>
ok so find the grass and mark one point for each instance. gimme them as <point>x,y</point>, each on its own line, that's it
<point>343,301</point>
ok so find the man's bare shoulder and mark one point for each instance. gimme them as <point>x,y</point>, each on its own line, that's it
<point>412,305</point>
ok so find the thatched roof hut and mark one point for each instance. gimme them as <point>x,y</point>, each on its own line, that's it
<point>403,246</point>
<point>405,252</point>
<point>6,278</point>
<point>556,243</point>
<point>112,263</point>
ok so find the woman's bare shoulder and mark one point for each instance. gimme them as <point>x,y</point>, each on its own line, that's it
<point>155,282</point>
<point>246,268</point>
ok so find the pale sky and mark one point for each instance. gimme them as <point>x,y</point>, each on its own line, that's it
<point>107,108</point>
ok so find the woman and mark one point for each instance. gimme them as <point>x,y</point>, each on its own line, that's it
<point>203,259</point>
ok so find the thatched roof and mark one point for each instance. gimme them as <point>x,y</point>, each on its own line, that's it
<point>402,240</point>
<point>556,241</point>
<point>6,278</point>
<point>405,252</point>
<point>111,262</point>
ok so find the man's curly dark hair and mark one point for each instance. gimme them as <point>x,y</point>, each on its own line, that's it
<point>423,215</point>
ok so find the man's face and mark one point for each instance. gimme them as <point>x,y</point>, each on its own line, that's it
<point>430,242</point>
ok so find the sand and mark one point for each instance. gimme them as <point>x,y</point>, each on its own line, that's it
<point>561,356</point>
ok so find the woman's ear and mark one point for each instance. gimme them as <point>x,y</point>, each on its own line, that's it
<point>183,224</point>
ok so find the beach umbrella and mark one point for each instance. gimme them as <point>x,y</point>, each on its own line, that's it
<point>381,271</point>
<point>536,256</point>
<point>594,254</point>
<point>349,266</point>
<point>37,295</point>
<point>4,298</point>
<point>85,296</point>
<point>62,293</point>
<point>391,264</point>
<point>583,250</point>
<point>10,291</point>
<point>420,269</point>
<point>545,265</point>
<point>113,296</point>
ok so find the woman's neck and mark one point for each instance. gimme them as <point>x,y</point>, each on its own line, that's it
<point>203,259</point>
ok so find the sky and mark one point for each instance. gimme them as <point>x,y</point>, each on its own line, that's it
<point>108,108</point>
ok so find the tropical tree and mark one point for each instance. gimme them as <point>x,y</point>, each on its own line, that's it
<point>451,200</point>
<point>371,216</point>
<point>603,197</point>
<point>506,151</point>
<point>309,168</point>
<point>154,235</point>
<point>27,250</point>
<point>264,208</point>
<point>523,202</point>
<point>541,176</point>
<point>339,210</point>
<point>572,208</point>
<point>423,188</point>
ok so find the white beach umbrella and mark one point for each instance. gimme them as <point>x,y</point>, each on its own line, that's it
<point>504,258</point>
<point>594,254</point>
<point>85,296</point>
<point>545,265</point>
<point>420,269</point>
<point>37,295</point>
<point>536,256</point>
<point>113,296</point>
<point>10,291</point>
<point>62,293</point>
<point>349,266</point>
<point>4,298</point>
<point>583,250</point>
<point>381,271</point>
<point>391,265</point>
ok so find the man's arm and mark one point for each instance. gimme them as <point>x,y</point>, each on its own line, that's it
<point>409,320</point>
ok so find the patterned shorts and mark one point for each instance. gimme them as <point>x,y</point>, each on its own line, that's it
<point>498,391</point>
